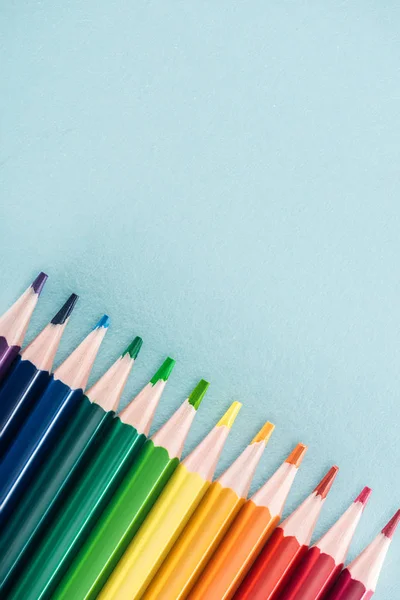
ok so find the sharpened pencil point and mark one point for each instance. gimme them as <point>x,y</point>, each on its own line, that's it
<point>198,393</point>
<point>264,434</point>
<point>364,496</point>
<point>134,348</point>
<point>164,371</point>
<point>65,310</point>
<point>39,282</point>
<point>390,527</point>
<point>104,322</point>
<point>229,417</point>
<point>297,454</point>
<point>326,482</point>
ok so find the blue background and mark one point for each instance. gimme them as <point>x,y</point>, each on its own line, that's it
<point>222,178</point>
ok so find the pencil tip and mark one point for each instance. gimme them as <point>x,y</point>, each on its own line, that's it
<point>134,347</point>
<point>38,283</point>
<point>326,482</point>
<point>363,496</point>
<point>164,371</point>
<point>65,310</point>
<point>297,454</point>
<point>264,434</point>
<point>104,322</point>
<point>390,527</point>
<point>198,393</point>
<point>228,419</point>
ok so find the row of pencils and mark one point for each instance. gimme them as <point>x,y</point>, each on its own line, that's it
<point>91,507</point>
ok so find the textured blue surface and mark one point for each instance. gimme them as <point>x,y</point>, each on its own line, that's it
<point>223,180</point>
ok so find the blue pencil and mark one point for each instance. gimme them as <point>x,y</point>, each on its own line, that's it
<point>29,376</point>
<point>47,420</point>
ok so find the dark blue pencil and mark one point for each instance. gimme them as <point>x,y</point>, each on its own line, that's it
<point>47,420</point>
<point>60,472</point>
<point>29,376</point>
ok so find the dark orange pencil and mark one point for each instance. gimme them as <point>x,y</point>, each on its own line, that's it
<point>252,527</point>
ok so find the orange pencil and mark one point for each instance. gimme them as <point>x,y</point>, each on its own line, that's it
<point>252,527</point>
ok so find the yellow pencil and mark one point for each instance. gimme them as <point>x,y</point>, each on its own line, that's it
<point>207,527</point>
<point>170,514</point>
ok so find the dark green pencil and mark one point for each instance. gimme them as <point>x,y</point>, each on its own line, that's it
<point>91,494</point>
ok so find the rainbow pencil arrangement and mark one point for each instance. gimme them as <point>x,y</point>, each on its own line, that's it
<point>91,507</point>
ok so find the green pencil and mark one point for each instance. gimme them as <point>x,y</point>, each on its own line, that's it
<point>85,430</point>
<point>92,492</point>
<point>135,497</point>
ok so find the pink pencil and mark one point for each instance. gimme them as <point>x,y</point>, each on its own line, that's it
<point>359,579</point>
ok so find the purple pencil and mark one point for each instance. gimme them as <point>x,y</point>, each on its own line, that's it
<point>14,323</point>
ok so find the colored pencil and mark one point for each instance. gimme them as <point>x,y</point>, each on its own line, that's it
<point>146,479</point>
<point>47,420</point>
<point>161,528</point>
<point>359,579</point>
<point>278,559</point>
<point>248,533</point>
<point>14,323</point>
<point>322,563</point>
<point>58,474</point>
<point>30,375</point>
<point>204,531</point>
<point>93,491</point>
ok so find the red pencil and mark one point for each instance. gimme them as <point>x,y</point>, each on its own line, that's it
<point>359,579</point>
<point>280,556</point>
<point>323,562</point>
